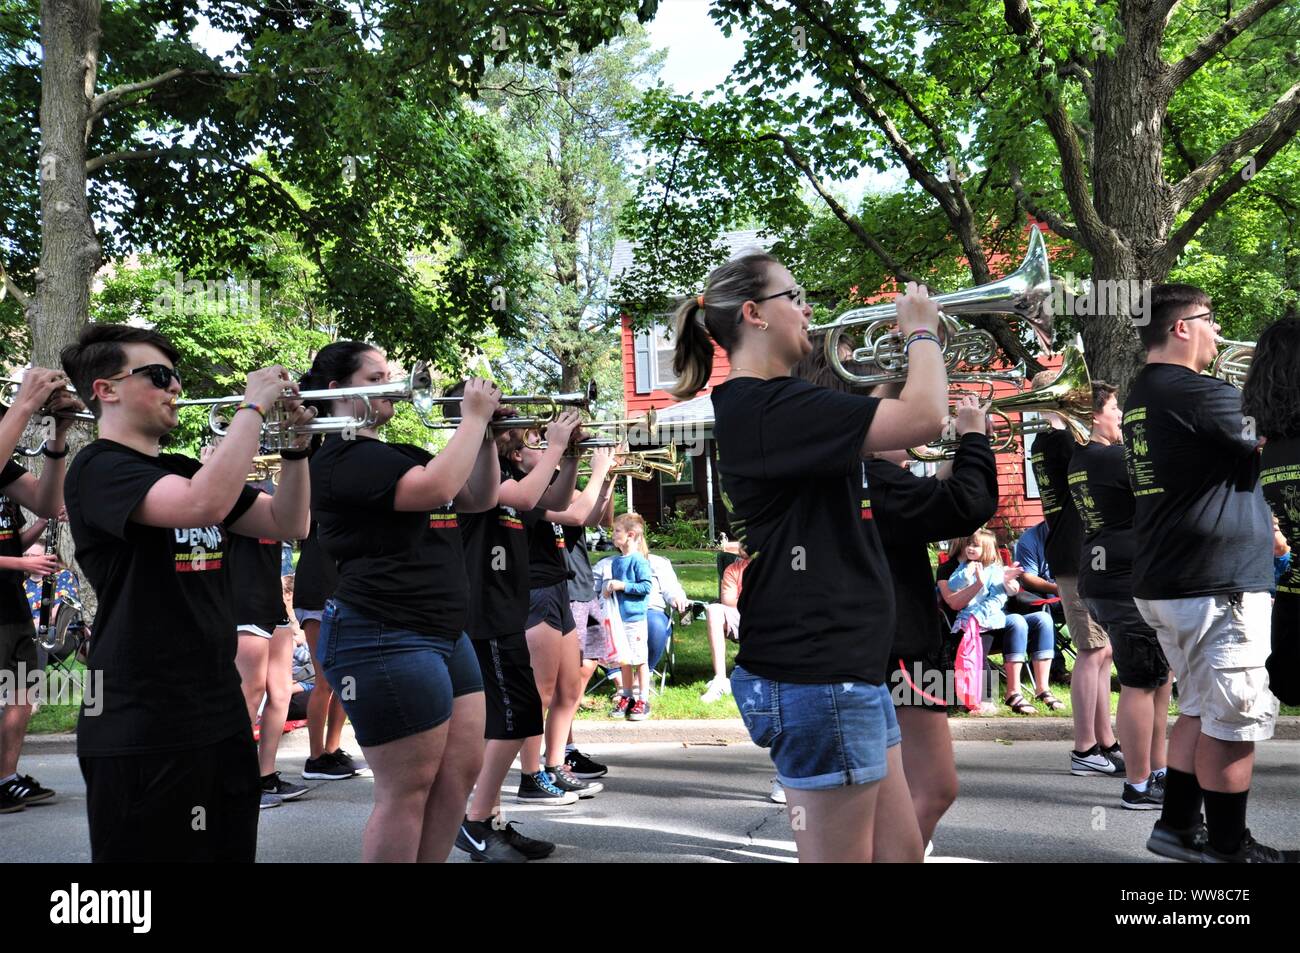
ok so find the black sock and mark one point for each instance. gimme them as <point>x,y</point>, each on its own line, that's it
<point>1225,820</point>
<point>1182,799</point>
<point>1112,749</point>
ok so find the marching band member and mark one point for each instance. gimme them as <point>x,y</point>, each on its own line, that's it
<point>41,389</point>
<point>1202,569</point>
<point>1271,399</point>
<point>392,636</point>
<point>170,766</point>
<point>1098,483</point>
<point>817,610</point>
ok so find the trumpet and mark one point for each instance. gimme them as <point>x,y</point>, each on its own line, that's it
<point>265,467</point>
<point>628,430</point>
<point>1023,293</point>
<point>551,406</point>
<point>1069,396</point>
<point>644,464</point>
<point>278,434</point>
<point>40,430</point>
<point>1233,361</point>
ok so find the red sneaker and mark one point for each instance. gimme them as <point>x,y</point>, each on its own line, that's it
<point>639,710</point>
<point>621,705</point>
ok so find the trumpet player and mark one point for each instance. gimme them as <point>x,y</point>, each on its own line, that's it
<point>169,762</point>
<point>42,389</point>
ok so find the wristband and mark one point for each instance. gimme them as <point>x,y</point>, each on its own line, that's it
<point>920,336</point>
<point>55,454</point>
<point>249,405</point>
<point>291,454</point>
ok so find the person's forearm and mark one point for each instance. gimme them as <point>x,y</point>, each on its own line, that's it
<point>1038,584</point>
<point>32,533</point>
<point>559,495</point>
<point>535,484</point>
<point>485,481</point>
<point>292,500</point>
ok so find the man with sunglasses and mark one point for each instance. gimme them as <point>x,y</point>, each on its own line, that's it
<point>41,390</point>
<point>1202,569</point>
<point>170,765</point>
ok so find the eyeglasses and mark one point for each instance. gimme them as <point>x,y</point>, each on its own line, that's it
<point>1195,317</point>
<point>794,294</point>
<point>160,375</point>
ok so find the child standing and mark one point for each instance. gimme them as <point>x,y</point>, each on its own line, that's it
<point>631,580</point>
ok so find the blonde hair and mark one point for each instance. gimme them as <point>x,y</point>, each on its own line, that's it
<point>985,540</point>
<point>715,316</point>
<point>634,525</point>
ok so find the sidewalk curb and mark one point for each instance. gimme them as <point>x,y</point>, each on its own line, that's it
<point>727,731</point>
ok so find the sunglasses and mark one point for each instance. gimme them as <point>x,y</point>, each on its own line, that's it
<point>160,375</point>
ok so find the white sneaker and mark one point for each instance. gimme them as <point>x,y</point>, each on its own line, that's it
<point>718,686</point>
<point>777,794</point>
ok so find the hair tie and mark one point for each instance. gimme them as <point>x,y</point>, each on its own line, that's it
<point>699,299</point>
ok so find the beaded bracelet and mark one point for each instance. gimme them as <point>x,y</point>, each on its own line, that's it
<point>249,405</point>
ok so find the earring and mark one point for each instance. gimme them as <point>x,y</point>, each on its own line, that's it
<point>763,326</point>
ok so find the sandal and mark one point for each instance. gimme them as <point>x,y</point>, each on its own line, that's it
<point>1051,701</point>
<point>1018,705</point>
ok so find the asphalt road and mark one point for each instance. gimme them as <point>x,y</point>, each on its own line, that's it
<point>708,803</point>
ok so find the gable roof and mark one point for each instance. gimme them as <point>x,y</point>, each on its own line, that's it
<point>741,240</point>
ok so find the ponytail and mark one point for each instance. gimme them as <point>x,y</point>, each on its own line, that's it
<point>715,316</point>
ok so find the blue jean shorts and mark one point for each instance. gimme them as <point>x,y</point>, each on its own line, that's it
<point>393,682</point>
<point>820,736</point>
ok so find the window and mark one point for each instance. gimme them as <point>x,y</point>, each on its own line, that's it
<point>688,475</point>
<point>653,349</point>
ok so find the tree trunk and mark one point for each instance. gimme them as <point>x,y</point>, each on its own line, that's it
<point>70,250</point>
<point>1130,193</point>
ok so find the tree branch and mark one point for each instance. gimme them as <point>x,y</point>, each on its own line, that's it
<point>1178,74</point>
<point>95,163</point>
<point>1080,72</point>
<point>20,296</point>
<point>1093,233</point>
<point>1281,136</point>
<point>1054,221</point>
<point>1282,115</point>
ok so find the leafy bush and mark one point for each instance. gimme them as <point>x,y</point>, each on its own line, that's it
<point>678,533</point>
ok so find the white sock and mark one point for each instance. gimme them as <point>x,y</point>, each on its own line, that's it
<point>1140,787</point>
<point>1159,772</point>
<point>570,748</point>
<point>12,777</point>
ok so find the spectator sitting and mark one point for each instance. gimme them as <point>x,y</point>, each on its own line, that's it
<point>978,590</point>
<point>724,623</point>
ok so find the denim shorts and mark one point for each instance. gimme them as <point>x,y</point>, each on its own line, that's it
<point>393,682</point>
<point>820,736</point>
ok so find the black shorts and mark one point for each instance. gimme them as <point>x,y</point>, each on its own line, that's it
<point>550,604</point>
<point>193,805</point>
<point>921,682</point>
<point>514,709</point>
<point>1139,660</point>
<point>18,647</point>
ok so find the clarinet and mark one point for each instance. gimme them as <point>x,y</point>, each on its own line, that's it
<point>47,585</point>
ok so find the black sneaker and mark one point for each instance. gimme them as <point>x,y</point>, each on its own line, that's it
<point>327,768</point>
<point>8,803</point>
<point>25,789</point>
<point>1187,844</point>
<point>483,842</point>
<point>540,787</point>
<point>359,768</point>
<point>580,766</point>
<point>563,779</point>
<point>1115,756</point>
<point>287,790</point>
<point>1152,799</point>
<point>530,847</point>
<point>1092,761</point>
<point>1250,852</point>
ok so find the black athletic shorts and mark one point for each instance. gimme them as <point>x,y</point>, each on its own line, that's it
<point>920,682</point>
<point>193,805</point>
<point>1139,660</point>
<point>514,709</point>
<point>550,604</point>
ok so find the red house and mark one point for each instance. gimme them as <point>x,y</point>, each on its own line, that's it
<point>648,373</point>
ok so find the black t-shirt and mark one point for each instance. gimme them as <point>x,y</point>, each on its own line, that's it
<point>1098,481</point>
<point>165,631</point>
<point>316,576</point>
<point>818,603</point>
<point>13,597</point>
<point>442,547</point>
<point>912,511</point>
<point>387,568</point>
<point>1050,457</point>
<point>547,564</point>
<point>1280,478</point>
<point>255,577</point>
<point>1202,526</point>
<point>496,556</point>
<point>582,582</point>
